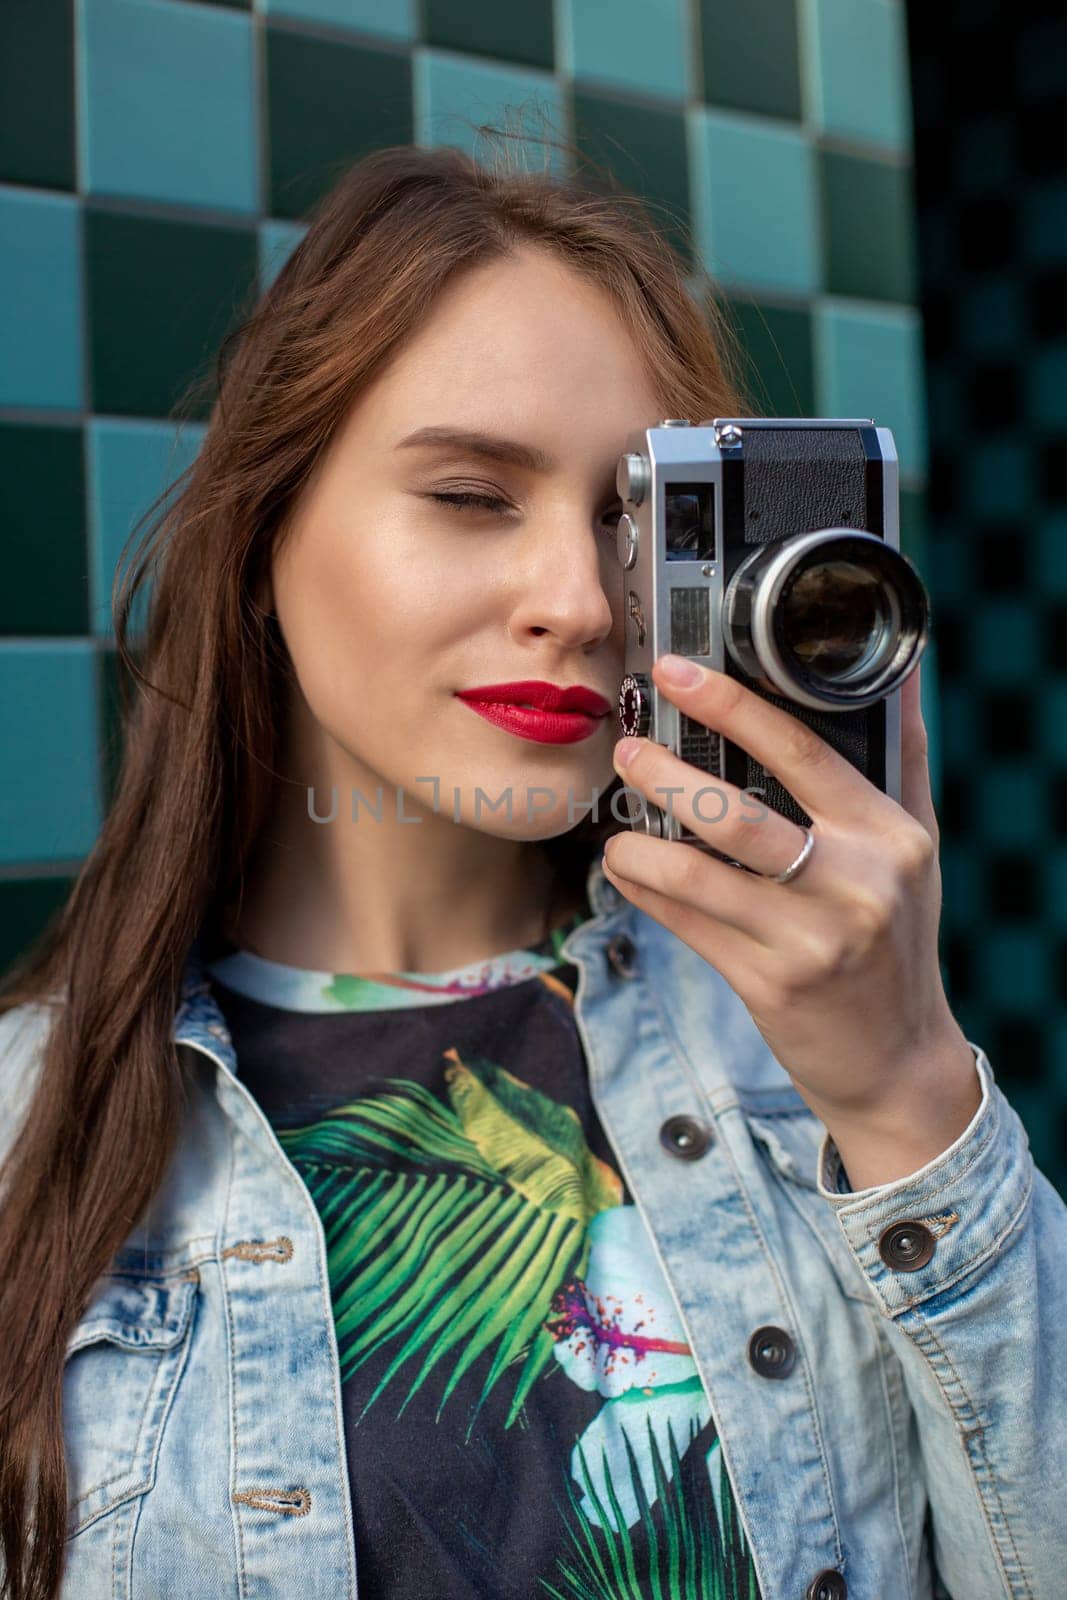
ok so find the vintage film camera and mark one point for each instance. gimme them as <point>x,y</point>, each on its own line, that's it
<point>768,549</point>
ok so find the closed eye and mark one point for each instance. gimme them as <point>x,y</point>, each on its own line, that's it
<point>467,500</point>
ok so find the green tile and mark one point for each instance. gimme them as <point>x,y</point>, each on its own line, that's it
<point>161,295</point>
<point>751,56</point>
<point>46,579</point>
<point>520,31</point>
<point>645,150</point>
<point>37,93</point>
<point>779,368</point>
<point>327,105</point>
<point>26,904</point>
<point>869,230</point>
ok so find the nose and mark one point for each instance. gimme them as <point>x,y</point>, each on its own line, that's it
<point>571,588</point>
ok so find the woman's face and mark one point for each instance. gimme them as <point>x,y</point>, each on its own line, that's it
<point>394,602</point>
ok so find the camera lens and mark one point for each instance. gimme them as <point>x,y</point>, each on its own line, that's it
<point>831,619</point>
<point>837,619</point>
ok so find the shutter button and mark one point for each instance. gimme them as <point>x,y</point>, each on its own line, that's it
<point>622,954</point>
<point>906,1246</point>
<point>829,1585</point>
<point>685,1137</point>
<point>772,1352</point>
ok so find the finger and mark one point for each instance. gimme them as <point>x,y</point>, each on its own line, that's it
<point>728,950</point>
<point>737,825</point>
<point>915,793</point>
<point>821,780</point>
<point>687,876</point>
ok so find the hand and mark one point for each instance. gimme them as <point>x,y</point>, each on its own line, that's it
<point>839,968</point>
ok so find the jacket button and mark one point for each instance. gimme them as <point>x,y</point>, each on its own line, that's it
<point>829,1585</point>
<point>622,955</point>
<point>772,1352</point>
<point>906,1246</point>
<point>685,1137</point>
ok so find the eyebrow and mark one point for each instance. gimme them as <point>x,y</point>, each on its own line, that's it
<point>490,446</point>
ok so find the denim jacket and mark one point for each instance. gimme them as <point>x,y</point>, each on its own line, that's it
<point>897,1423</point>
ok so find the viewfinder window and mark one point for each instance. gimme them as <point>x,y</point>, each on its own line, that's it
<point>690,521</point>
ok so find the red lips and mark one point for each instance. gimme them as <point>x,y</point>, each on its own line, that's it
<point>544,696</point>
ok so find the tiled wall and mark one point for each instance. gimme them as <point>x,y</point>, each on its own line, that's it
<point>156,157</point>
<point>992,190</point>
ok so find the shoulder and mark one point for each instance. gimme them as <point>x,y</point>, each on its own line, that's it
<point>24,1032</point>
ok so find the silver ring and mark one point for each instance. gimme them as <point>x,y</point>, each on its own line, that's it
<point>795,866</point>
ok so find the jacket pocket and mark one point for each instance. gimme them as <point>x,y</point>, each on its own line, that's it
<point>123,1363</point>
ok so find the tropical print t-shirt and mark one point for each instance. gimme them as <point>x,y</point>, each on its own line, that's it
<point>523,1416</point>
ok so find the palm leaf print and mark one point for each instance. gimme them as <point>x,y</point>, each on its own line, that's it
<point>693,1557</point>
<point>449,1228</point>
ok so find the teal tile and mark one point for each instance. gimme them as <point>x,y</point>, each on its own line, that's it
<point>985,156</point>
<point>869,230</point>
<point>328,104</point>
<point>641,45</point>
<point>277,241</point>
<point>454,94</point>
<point>46,587</point>
<point>869,364</point>
<point>999,480</point>
<point>857,70</point>
<point>1010,648</point>
<point>779,365</point>
<point>960,883</point>
<point>1045,378</point>
<point>1013,967</point>
<point>930,706</point>
<point>1052,721</point>
<point>158,123</point>
<point>1042,219</point>
<point>26,906</point>
<point>750,56</point>
<point>130,463</point>
<point>40,301</point>
<point>645,149</point>
<point>49,788</point>
<point>1048,530</point>
<point>396,20</point>
<point>518,32</point>
<point>755,209</point>
<point>991,314</point>
<point>37,93</point>
<point>138,269</point>
<point>1009,802</point>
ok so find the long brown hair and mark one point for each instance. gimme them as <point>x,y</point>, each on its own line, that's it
<point>201,709</point>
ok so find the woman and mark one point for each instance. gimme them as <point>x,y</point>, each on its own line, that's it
<point>398,1181</point>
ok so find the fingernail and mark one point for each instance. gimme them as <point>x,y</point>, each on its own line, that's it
<point>679,671</point>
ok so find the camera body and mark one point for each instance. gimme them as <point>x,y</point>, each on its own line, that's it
<point>769,550</point>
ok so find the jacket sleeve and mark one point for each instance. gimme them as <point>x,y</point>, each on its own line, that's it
<point>979,1328</point>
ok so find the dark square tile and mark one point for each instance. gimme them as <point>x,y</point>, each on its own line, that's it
<point>26,904</point>
<point>1001,559</point>
<point>959,965</point>
<point>161,296</point>
<point>751,57</point>
<point>868,228</point>
<point>1007,722</point>
<point>779,367</point>
<point>1052,468</point>
<point>37,93</point>
<point>327,105</point>
<point>1017,1049</point>
<point>645,150</point>
<point>1013,888</point>
<point>913,536</point>
<point>986,232</point>
<point>46,579</point>
<point>1054,636</point>
<point>519,31</point>
<point>994,394</point>
<point>1046,299</point>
